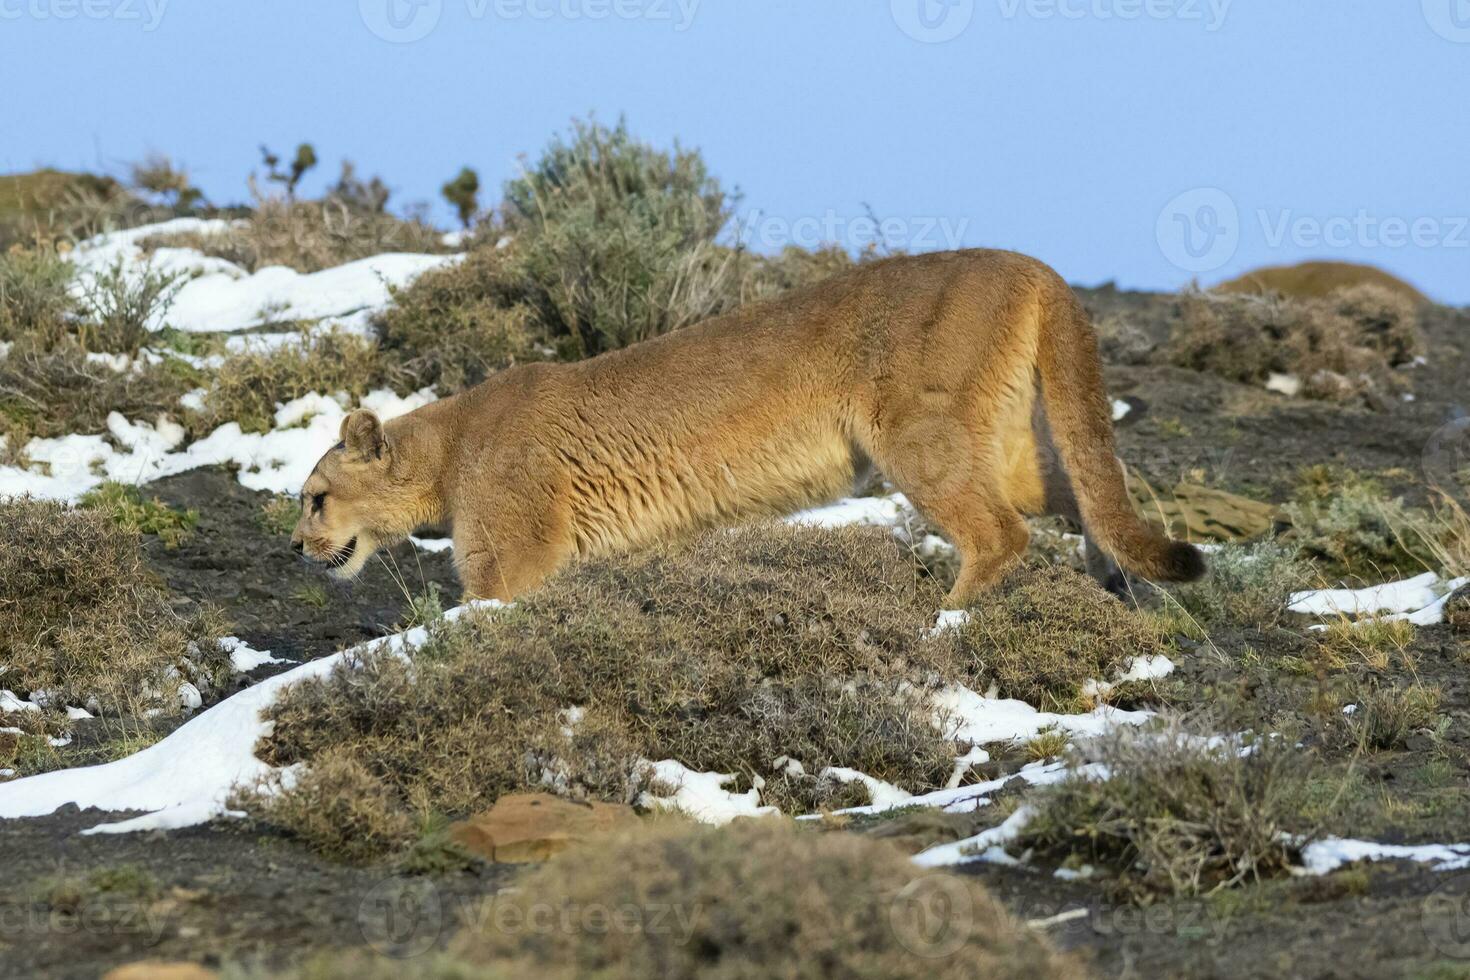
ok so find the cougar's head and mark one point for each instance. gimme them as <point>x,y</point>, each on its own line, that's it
<point>355,501</point>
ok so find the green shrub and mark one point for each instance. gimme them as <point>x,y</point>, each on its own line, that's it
<point>616,239</point>
<point>119,308</point>
<point>1248,585</point>
<point>1352,526</point>
<point>127,508</point>
<point>34,302</point>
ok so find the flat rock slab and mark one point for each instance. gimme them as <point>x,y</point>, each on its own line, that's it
<point>160,970</point>
<point>528,827</point>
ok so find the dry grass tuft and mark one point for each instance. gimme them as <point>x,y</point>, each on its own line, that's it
<point>1386,717</point>
<point>1177,815</point>
<point>307,236</point>
<point>1047,631</point>
<point>755,899</point>
<point>725,654</point>
<point>250,386</point>
<point>1343,347</point>
<point>81,619</point>
<point>453,327</point>
<point>34,302</point>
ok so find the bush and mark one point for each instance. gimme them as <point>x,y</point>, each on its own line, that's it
<point>127,509</point>
<point>767,276</point>
<point>724,654</point>
<point>1385,717</point>
<point>1342,348</point>
<point>1176,815</point>
<point>307,236</point>
<point>1047,631</point>
<point>52,205</point>
<point>756,899</point>
<point>250,386</point>
<point>82,620</point>
<point>34,302</point>
<point>51,393</point>
<point>1248,584</point>
<point>616,239</point>
<point>454,326</point>
<point>1351,525</point>
<point>120,309</point>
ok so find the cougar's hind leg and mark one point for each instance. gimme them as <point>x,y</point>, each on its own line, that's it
<point>1061,501</point>
<point>947,470</point>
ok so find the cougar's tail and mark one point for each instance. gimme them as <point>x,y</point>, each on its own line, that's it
<point>1081,421</point>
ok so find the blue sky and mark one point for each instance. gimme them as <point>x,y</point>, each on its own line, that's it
<point>1147,141</point>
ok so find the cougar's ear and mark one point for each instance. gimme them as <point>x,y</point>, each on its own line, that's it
<point>362,436</point>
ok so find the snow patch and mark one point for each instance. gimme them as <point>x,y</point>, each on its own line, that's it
<point>217,295</point>
<point>872,511</point>
<point>988,846</point>
<point>879,793</point>
<point>969,717</point>
<point>65,468</point>
<point>702,795</point>
<point>1419,600</point>
<point>1324,856</point>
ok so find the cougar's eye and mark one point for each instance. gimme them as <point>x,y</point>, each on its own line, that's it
<point>318,501</point>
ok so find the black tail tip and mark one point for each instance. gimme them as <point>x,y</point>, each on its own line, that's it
<point>1183,562</point>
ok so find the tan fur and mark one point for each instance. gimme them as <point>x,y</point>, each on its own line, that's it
<point>927,365</point>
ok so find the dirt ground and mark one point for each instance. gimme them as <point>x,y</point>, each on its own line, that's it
<point>231,890</point>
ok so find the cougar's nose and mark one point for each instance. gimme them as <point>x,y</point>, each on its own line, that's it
<point>298,546</point>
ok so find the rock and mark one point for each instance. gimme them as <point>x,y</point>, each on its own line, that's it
<point>1457,610</point>
<point>160,970</point>
<point>527,827</point>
